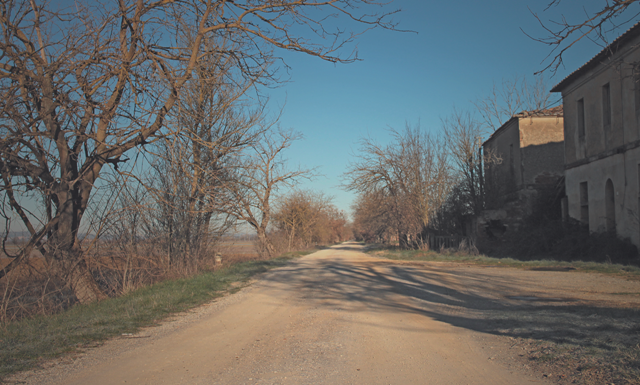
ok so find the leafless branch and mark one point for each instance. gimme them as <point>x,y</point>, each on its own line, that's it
<point>564,34</point>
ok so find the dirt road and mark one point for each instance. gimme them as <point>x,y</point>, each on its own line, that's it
<point>334,317</point>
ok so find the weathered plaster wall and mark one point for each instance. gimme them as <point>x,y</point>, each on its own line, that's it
<point>530,156</point>
<point>537,130</point>
<point>605,152</point>
<point>542,150</point>
<point>505,145</point>
<point>623,170</point>
<point>619,74</point>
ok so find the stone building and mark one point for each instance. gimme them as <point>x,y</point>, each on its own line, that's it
<point>602,138</point>
<point>524,158</point>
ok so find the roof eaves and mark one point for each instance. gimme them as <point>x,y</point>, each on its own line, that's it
<point>553,111</point>
<point>606,52</point>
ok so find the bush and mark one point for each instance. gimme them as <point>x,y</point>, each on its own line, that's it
<point>564,241</point>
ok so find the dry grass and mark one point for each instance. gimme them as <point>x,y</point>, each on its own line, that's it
<point>31,289</point>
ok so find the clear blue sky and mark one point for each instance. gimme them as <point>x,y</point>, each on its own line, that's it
<point>460,49</point>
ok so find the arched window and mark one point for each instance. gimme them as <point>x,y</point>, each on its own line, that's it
<point>610,205</point>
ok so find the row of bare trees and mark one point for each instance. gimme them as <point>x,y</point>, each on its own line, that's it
<point>408,178</point>
<point>423,182</point>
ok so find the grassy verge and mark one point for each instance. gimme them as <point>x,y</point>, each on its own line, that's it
<point>391,252</point>
<point>25,343</point>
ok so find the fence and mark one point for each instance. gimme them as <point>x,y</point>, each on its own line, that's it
<point>438,242</point>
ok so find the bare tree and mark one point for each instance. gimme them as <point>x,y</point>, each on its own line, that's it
<point>216,122</point>
<point>373,217</point>
<point>257,178</point>
<point>339,225</point>
<point>511,97</point>
<point>81,87</point>
<point>463,136</point>
<point>564,33</point>
<point>413,171</point>
<point>124,236</point>
<point>303,216</point>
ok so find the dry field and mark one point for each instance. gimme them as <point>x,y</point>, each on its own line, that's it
<point>233,250</point>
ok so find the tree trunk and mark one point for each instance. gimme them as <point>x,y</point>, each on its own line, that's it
<point>403,241</point>
<point>74,272</point>
<point>83,285</point>
<point>66,255</point>
<point>264,244</point>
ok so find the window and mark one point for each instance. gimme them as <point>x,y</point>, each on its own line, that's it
<point>512,170</point>
<point>584,203</point>
<point>610,206</point>
<point>581,128</point>
<point>606,107</point>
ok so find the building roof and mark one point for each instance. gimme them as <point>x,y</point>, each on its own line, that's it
<point>557,111</point>
<point>600,57</point>
<point>553,111</point>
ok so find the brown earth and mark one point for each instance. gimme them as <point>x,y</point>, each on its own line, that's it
<point>339,316</point>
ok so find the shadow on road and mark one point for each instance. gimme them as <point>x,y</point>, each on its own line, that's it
<point>471,300</point>
<point>350,246</point>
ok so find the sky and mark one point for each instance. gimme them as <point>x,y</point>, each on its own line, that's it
<point>454,53</point>
<point>457,51</point>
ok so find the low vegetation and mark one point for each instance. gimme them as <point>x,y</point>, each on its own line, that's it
<point>395,253</point>
<point>554,239</point>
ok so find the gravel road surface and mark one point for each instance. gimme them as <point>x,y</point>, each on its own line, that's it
<point>337,316</point>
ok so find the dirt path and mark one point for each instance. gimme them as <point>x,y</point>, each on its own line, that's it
<point>337,317</point>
